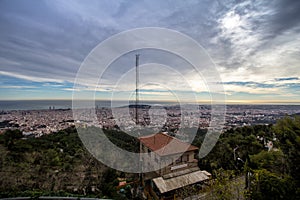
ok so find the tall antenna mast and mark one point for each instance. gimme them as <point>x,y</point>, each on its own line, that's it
<point>137,57</point>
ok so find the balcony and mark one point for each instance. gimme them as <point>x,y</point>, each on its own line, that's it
<point>179,167</point>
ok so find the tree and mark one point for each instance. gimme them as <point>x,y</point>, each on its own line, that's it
<point>10,136</point>
<point>287,131</point>
<point>266,185</point>
<point>222,185</point>
<point>274,161</point>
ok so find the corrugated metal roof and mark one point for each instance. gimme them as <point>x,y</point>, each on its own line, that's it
<point>166,185</point>
<point>164,144</point>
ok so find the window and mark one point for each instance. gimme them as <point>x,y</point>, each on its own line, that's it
<point>178,160</point>
<point>185,158</point>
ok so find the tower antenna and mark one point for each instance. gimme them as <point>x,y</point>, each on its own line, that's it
<point>137,59</point>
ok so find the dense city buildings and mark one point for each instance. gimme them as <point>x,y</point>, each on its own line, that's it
<point>157,118</point>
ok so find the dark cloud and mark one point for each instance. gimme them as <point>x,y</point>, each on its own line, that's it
<point>50,39</point>
<point>287,16</point>
<point>45,42</point>
<point>287,79</point>
<point>250,84</point>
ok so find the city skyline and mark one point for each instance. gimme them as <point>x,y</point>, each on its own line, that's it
<point>255,47</point>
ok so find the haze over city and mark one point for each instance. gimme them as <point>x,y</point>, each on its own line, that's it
<point>254,45</point>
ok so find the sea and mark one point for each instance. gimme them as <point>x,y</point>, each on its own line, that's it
<point>6,105</point>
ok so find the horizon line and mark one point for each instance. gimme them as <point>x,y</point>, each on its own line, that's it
<point>230,102</point>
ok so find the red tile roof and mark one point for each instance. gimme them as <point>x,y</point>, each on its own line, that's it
<point>164,144</point>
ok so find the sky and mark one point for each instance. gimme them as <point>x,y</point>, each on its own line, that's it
<point>254,45</point>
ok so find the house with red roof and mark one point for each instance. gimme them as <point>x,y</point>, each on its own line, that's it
<point>176,164</point>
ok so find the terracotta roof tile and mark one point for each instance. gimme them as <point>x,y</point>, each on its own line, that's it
<point>164,144</point>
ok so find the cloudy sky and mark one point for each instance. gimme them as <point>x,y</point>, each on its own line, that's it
<point>254,45</point>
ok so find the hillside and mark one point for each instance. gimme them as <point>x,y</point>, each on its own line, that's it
<point>55,164</point>
<point>58,164</point>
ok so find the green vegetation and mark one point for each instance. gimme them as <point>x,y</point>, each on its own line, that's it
<point>268,185</point>
<point>55,165</point>
<point>270,174</point>
<point>58,164</point>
